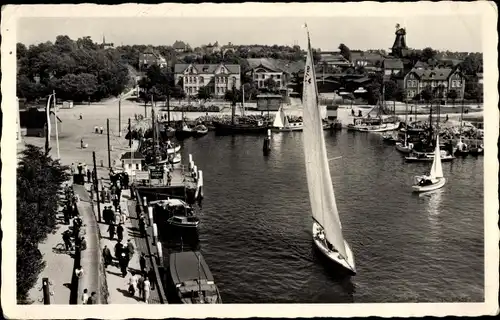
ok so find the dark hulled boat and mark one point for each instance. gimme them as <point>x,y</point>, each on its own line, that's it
<point>191,279</point>
<point>237,128</point>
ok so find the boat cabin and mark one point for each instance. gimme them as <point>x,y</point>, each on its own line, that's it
<point>173,207</point>
<point>192,279</point>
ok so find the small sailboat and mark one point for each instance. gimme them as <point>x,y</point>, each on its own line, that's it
<point>281,123</point>
<point>435,179</point>
<point>326,229</point>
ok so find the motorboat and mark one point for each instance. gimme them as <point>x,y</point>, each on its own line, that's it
<point>178,213</point>
<point>426,157</point>
<point>435,179</point>
<point>281,123</point>
<point>404,146</point>
<point>191,279</point>
<point>461,149</point>
<point>200,130</point>
<point>326,226</point>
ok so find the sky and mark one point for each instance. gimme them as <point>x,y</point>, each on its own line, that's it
<point>454,32</point>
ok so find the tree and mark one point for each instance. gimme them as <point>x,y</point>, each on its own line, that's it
<point>39,182</point>
<point>471,65</point>
<point>72,60</point>
<point>345,51</point>
<point>427,94</point>
<point>428,54</point>
<point>270,84</point>
<point>204,93</point>
<point>452,95</point>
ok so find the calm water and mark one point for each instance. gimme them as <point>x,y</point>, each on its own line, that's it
<point>256,225</point>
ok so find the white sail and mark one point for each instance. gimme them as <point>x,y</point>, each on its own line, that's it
<point>278,120</point>
<point>437,168</point>
<point>323,205</point>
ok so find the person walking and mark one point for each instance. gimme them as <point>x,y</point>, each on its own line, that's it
<point>147,289</point>
<point>131,249</point>
<point>142,225</point>
<point>117,215</point>
<point>119,232</point>
<point>85,296</point>
<point>132,284</point>
<point>123,263</point>
<point>107,257</point>
<point>89,176</point>
<point>152,278</point>
<point>93,298</point>
<point>118,250</point>
<point>123,217</point>
<point>111,230</point>
<point>67,240</point>
<point>140,285</point>
<point>142,262</point>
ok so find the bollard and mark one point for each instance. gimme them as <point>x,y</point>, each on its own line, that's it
<point>195,171</point>
<point>150,214</point>
<point>200,184</point>
<point>160,252</point>
<point>155,234</point>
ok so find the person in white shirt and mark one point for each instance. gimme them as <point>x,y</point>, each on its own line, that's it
<point>85,296</point>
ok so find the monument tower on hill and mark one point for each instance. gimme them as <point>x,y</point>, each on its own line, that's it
<point>399,45</point>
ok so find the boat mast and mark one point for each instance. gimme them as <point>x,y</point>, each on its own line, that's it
<point>243,100</point>
<point>153,129</point>
<point>233,104</point>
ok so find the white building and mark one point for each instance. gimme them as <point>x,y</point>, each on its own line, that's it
<point>219,78</point>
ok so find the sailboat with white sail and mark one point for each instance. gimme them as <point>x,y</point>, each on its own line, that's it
<point>435,179</point>
<point>327,228</point>
<point>281,123</point>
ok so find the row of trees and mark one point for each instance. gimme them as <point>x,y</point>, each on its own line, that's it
<point>39,183</point>
<point>77,70</point>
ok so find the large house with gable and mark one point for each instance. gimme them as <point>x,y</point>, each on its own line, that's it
<point>151,57</point>
<point>445,79</point>
<point>279,70</point>
<point>220,78</point>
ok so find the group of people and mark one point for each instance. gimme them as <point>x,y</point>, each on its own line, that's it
<point>77,233</point>
<point>116,217</point>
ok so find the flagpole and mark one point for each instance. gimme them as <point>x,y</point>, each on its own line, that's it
<point>55,121</point>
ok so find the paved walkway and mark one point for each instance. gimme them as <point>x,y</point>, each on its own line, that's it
<point>59,267</point>
<point>90,257</point>
<point>117,285</point>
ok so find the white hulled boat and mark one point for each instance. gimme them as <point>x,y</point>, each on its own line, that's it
<point>281,123</point>
<point>435,179</point>
<point>327,229</point>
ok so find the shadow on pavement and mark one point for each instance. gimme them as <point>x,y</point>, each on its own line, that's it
<point>127,294</point>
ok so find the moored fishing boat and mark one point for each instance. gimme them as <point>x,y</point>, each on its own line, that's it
<point>191,279</point>
<point>435,179</point>
<point>237,128</point>
<point>326,228</point>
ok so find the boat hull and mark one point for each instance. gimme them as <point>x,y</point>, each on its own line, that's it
<point>287,129</point>
<point>346,266</point>
<point>199,133</point>
<point>228,129</point>
<point>381,128</point>
<point>439,184</point>
<point>183,134</point>
<point>403,149</point>
<point>476,152</point>
<point>428,159</point>
<point>174,149</point>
